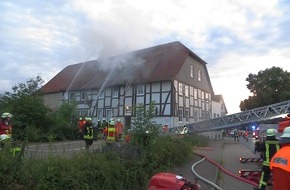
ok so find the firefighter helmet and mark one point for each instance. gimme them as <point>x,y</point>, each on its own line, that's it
<point>111,123</point>
<point>3,137</point>
<point>88,119</point>
<point>270,132</point>
<point>286,132</point>
<point>6,115</point>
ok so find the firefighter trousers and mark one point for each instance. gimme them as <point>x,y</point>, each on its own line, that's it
<point>266,171</point>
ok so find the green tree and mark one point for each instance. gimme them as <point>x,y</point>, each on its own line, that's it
<point>144,115</point>
<point>145,128</point>
<point>268,87</point>
<point>64,122</point>
<point>27,106</point>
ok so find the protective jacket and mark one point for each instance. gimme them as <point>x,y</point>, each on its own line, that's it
<point>280,166</point>
<point>269,147</point>
<point>5,128</point>
<point>88,131</point>
<point>111,134</point>
<point>119,127</point>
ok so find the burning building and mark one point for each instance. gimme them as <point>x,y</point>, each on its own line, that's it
<point>170,75</point>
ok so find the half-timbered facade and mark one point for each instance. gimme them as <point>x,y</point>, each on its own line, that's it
<point>170,75</point>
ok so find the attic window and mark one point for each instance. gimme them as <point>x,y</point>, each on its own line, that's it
<point>199,75</point>
<point>191,70</point>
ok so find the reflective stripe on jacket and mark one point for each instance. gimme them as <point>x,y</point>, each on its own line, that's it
<point>269,153</point>
<point>282,159</point>
<point>88,132</point>
<point>111,134</point>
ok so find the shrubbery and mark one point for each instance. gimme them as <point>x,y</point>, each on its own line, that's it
<point>129,166</point>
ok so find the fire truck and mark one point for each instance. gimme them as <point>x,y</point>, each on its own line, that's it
<point>283,124</point>
<point>255,174</point>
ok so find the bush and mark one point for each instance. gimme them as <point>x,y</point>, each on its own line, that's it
<point>120,167</point>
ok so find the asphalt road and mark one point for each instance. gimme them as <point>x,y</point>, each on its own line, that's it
<point>227,153</point>
<point>59,148</point>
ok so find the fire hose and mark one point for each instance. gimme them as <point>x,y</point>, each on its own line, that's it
<point>221,168</point>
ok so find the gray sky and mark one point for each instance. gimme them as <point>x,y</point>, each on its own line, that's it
<point>235,37</point>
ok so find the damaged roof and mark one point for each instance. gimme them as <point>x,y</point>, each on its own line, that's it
<point>156,63</point>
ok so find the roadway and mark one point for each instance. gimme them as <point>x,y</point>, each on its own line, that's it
<point>227,153</point>
<point>59,148</point>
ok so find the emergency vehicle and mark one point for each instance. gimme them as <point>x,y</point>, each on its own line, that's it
<point>255,175</point>
<point>166,181</point>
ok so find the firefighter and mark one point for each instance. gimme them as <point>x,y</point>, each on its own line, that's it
<point>111,133</point>
<point>268,148</point>
<point>128,136</point>
<point>5,124</point>
<point>88,132</point>
<point>104,128</point>
<point>236,135</point>
<point>81,125</point>
<point>165,129</point>
<point>120,128</point>
<point>257,145</point>
<point>280,163</point>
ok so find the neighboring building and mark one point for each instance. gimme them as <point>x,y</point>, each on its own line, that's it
<point>171,75</point>
<point>218,107</point>
<point>218,110</point>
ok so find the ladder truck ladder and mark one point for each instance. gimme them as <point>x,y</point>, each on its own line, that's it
<point>241,118</point>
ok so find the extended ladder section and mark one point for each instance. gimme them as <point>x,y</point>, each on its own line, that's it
<point>241,118</point>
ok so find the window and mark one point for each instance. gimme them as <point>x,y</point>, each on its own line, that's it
<point>72,96</point>
<point>101,94</point>
<point>180,115</point>
<point>206,96</point>
<point>128,110</point>
<point>191,71</point>
<point>186,115</point>
<point>199,75</point>
<point>108,114</point>
<point>195,93</point>
<point>186,90</point>
<point>100,114</point>
<point>140,89</point>
<point>195,115</point>
<point>83,95</point>
<point>84,112</point>
<point>115,92</point>
<point>180,88</point>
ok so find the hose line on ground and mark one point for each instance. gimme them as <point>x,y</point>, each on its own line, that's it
<point>203,179</point>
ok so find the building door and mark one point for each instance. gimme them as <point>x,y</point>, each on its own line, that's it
<point>127,123</point>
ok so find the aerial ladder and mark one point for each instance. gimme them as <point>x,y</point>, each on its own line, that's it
<point>239,119</point>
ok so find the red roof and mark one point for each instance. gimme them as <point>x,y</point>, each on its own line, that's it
<point>157,63</point>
